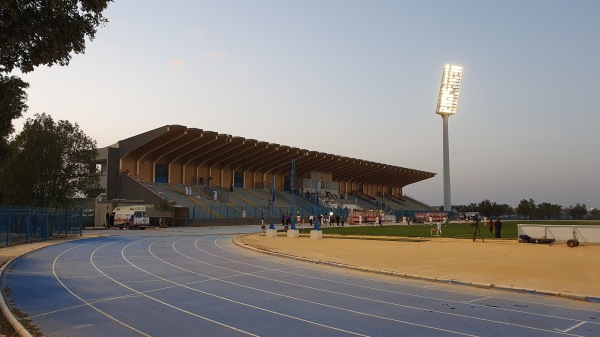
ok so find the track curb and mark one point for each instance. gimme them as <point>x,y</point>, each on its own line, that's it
<point>572,296</point>
<point>17,326</point>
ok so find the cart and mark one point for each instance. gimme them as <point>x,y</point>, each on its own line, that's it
<point>573,242</point>
<point>529,239</point>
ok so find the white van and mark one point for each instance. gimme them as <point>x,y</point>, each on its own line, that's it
<point>130,217</point>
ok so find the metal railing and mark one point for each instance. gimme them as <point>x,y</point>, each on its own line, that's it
<point>27,224</point>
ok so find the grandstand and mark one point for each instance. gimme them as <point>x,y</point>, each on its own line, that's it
<point>222,177</point>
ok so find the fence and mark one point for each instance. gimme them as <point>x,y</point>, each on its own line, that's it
<point>584,233</point>
<point>26,224</point>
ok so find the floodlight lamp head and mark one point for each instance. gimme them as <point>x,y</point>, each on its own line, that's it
<point>448,96</point>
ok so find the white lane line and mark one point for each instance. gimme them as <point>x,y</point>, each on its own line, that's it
<point>80,277</point>
<point>573,327</point>
<point>451,291</point>
<point>475,300</point>
<point>234,301</point>
<point>299,299</point>
<point>159,301</point>
<point>365,298</point>
<point>83,300</point>
<point>82,326</point>
<point>415,295</point>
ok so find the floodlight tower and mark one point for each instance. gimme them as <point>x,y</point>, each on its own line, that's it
<point>446,107</point>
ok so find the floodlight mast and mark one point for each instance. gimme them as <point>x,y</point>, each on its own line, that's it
<point>446,107</point>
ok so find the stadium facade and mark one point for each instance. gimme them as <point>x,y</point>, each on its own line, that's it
<point>178,158</point>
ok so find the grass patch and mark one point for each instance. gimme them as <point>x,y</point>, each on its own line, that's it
<point>453,230</point>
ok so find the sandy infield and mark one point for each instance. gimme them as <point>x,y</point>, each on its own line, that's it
<point>544,268</point>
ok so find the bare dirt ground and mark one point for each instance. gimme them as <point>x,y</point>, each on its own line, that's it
<point>555,269</point>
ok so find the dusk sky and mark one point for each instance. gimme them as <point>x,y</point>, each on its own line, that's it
<point>358,79</point>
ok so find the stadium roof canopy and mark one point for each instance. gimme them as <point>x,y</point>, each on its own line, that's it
<point>191,146</point>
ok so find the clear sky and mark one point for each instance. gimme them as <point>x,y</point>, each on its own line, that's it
<point>358,79</point>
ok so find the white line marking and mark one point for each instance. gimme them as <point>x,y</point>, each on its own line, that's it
<point>421,296</point>
<point>573,327</point>
<point>234,301</point>
<point>562,306</point>
<point>159,301</point>
<point>83,300</point>
<point>299,299</point>
<point>389,303</point>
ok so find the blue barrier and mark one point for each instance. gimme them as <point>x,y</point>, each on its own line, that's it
<point>20,224</point>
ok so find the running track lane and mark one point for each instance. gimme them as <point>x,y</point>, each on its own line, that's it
<point>189,284</point>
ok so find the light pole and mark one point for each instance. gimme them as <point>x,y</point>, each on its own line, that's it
<point>446,107</point>
<point>589,205</point>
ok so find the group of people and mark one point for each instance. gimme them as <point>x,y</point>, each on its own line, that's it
<point>495,226</point>
<point>338,219</point>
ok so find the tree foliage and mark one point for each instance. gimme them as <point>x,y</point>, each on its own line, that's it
<point>34,33</point>
<point>50,164</point>
<point>577,211</point>
<point>526,208</point>
<point>12,106</point>
<point>165,206</point>
<point>487,208</point>
<point>548,211</point>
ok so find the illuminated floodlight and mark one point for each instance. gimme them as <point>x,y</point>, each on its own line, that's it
<point>448,97</point>
<point>446,107</point>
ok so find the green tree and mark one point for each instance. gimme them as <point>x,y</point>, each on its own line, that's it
<point>577,211</point>
<point>548,211</point>
<point>34,33</point>
<point>165,207</point>
<point>50,164</point>
<point>485,208</point>
<point>526,208</point>
<point>12,106</point>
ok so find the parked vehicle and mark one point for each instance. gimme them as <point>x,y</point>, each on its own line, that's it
<point>130,217</point>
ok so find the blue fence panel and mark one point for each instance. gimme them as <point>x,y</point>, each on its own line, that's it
<point>27,224</point>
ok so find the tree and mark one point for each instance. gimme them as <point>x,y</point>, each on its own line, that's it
<point>526,208</point>
<point>12,106</point>
<point>485,208</point>
<point>595,213</point>
<point>577,211</point>
<point>165,206</point>
<point>50,164</point>
<point>34,33</point>
<point>548,211</point>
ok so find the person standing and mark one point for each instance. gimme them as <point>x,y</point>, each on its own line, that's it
<point>491,225</point>
<point>337,220</point>
<point>475,227</point>
<point>498,228</point>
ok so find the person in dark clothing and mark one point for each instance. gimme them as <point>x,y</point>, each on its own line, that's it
<point>337,219</point>
<point>498,228</point>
